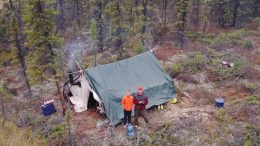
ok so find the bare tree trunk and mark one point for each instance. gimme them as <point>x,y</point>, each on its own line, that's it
<point>78,11</point>
<point>205,25</point>
<point>73,13</point>
<point>221,12</point>
<point>136,11</point>
<point>68,118</point>
<point>164,13</point>
<point>196,9</point>
<point>61,17</point>
<point>3,110</point>
<point>256,6</point>
<point>99,22</point>
<point>131,17</point>
<point>22,62</point>
<point>144,19</point>
<point>182,28</point>
<point>18,41</point>
<point>58,86</point>
<point>119,42</point>
<point>235,11</point>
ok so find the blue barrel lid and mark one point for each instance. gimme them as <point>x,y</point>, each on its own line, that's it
<point>219,100</point>
<point>48,104</point>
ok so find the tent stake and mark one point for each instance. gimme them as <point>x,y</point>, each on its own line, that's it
<point>111,130</point>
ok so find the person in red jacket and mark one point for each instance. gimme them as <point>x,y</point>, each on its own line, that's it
<point>140,101</point>
<point>127,103</point>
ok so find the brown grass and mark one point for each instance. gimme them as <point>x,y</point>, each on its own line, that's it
<point>251,73</point>
<point>165,52</point>
<point>203,97</point>
<point>244,113</point>
<point>10,135</point>
<point>1,5</point>
<point>187,78</point>
<point>255,58</point>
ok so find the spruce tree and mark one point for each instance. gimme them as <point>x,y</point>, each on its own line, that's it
<point>138,33</point>
<point>180,23</point>
<point>42,41</point>
<point>61,16</point>
<point>97,23</point>
<point>5,95</point>
<point>233,13</point>
<point>13,37</point>
<point>17,27</point>
<point>195,13</point>
<point>114,10</point>
<point>128,12</point>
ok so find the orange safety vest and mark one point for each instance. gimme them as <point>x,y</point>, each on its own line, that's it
<point>128,103</point>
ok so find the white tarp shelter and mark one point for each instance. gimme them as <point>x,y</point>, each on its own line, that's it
<point>81,94</point>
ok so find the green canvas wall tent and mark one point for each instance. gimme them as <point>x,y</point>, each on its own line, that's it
<point>109,83</point>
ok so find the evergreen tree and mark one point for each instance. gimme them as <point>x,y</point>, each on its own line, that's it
<point>43,60</point>
<point>144,12</point>
<point>195,13</point>
<point>164,13</point>
<point>128,12</point>
<point>231,13</point>
<point>7,51</point>
<point>5,95</point>
<point>13,36</point>
<point>17,27</point>
<point>61,16</point>
<point>180,23</point>
<point>114,10</point>
<point>97,23</point>
<point>138,33</point>
<point>74,11</point>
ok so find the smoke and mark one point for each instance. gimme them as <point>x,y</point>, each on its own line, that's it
<point>77,49</point>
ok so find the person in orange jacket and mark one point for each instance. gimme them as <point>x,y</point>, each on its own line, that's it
<point>127,103</point>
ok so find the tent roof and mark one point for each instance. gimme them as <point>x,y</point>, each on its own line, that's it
<point>111,81</point>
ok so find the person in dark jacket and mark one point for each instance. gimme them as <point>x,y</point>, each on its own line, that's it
<point>140,101</point>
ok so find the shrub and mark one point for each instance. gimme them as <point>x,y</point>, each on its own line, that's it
<point>11,135</point>
<point>253,99</point>
<point>221,41</point>
<point>229,39</point>
<point>247,44</point>
<point>249,86</point>
<point>222,116</point>
<point>257,21</point>
<point>196,61</point>
<point>205,38</point>
<point>247,141</point>
<point>167,68</point>
<point>225,39</point>
<point>176,69</point>
<point>219,71</point>
<point>114,58</point>
<point>250,32</point>
<point>251,137</point>
<point>58,131</point>
<point>173,69</point>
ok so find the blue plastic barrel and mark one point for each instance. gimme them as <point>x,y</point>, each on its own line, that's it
<point>130,130</point>
<point>48,109</point>
<point>219,102</point>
